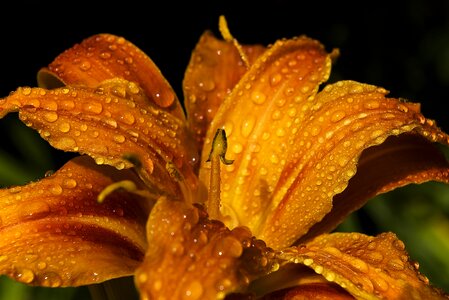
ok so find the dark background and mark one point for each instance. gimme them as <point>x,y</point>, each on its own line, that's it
<point>402,46</point>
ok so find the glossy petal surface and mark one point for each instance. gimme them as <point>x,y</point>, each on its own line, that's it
<point>367,267</point>
<point>214,69</point>
<point>54,233</point>
<point>294,150</point>
<point>258,117</point>
<point>106,56</point>
<point>191,257</point>
<point>111,124</point>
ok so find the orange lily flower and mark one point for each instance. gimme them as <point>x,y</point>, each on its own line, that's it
<point>149,197</point>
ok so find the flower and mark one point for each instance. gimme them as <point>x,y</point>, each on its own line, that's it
<point>149,195</point>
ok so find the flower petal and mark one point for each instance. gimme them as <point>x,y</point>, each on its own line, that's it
<point>214,69</point>
<point>399,161</point>
<point>261,117</point>
<point>367,267</point>
<point>54,233</point>
<point>106,56</point>
<point>347,118</point>
<point>110,124</point>
<point>191,257</point>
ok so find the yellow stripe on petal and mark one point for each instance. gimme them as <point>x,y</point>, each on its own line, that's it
<point>367,267</point>
<point>54,233</point>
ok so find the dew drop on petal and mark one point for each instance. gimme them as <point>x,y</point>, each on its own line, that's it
<point>85,65</point>
<point>258,97</point>
<point>119,138</point>
<point>193,290</point>
<point>64,127</point>
<point>25,275</point>
<point>50,116</point>
<point>69,183</point>
<point>56,189</point>
<point>51,279</point>
<point>338,115</point>
<point>93,107</point>
<point>248,126</point>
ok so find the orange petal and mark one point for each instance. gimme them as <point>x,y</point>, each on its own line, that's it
<point>346,118</point>
<point>190,257</point>
<point>214,68</point>
<point>367,267</point>
<point>399,161</point>
<point>110,123</point>
<point>54,233</point>
<point>106,56</point>
<point>261,117</point>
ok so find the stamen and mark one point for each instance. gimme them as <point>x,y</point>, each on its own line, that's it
<point>217,153</point>
<point>127,185</point>
<point>227,36</point>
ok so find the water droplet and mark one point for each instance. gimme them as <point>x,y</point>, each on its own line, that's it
<point>206,84</point>
<point>237,148</point>
<point>41,265</point>
<point>359,265</point>
<point>274,158</point>
<point>338,115</point>
<point>280,132</point>
<point>65,143</point>
<point>118,138</point>
<point>64,127</point>
<point>127,118</point>
<point>398,244</point>
<point>402,107</point>
<point>375,257</point>
<point>372,104</point>
<point>379,284</point>
<point>330,276</point>
<point>85,65</point>
<point>69,183</point>
<point>193,290</point>
<point>177,249</point>
<point>105,55</point>
<point>396,264</point>
<point>24,275</point>
<point>248,126</point>
<point>275,79</point>
<point>83,127</point>
<point>34,210</point>
<point>25,91</point>
<point>111,122</point>
<point>56,189</point>
<point>93,107</point>
<point>229,247</point>
<point>51,279</point>
<point>308,261</point>
<point>258,97</point>
<point>276,115</point>
<point>315,130</point>
<point>129,60</point>
<point>50,116</point>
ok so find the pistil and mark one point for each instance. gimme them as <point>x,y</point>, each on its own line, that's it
<point>217,154</point>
